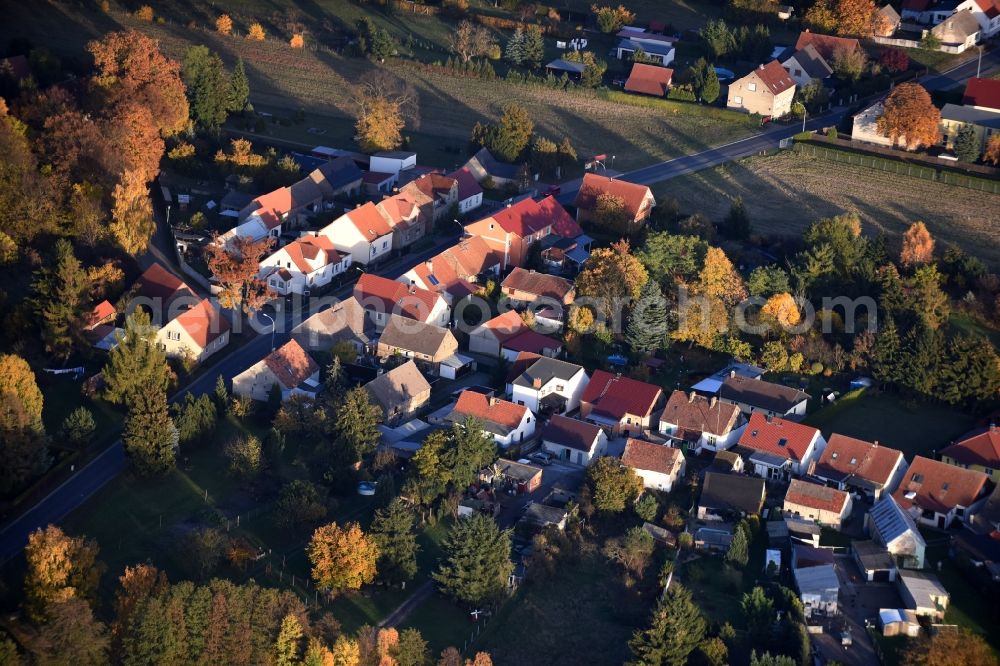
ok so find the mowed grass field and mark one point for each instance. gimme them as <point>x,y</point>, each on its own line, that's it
<point>786,192</point>
<point>322,84</point>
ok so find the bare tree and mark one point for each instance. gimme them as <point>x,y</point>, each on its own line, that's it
<point>470,41</point>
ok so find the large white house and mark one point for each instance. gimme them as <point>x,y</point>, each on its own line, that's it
<point>363,233</point>
<point>307,263</point>
<point>195,334</point>
<point>549,385</point>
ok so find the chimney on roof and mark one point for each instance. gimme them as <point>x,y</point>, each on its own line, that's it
<point>770,419</point>
<point>732,374</point>
<point>691,396</point>
<point>536,383</point>
<point>993,426</point>
<point>761,66</point>
<point>711,403</point>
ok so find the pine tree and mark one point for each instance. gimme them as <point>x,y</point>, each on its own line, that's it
<point>887,355</point>
<point>647,327</point>
<point>207,88</point>
<point>676,629</point>
<point>392,530</point>
<point>711,88</point>
<point>60,290</point>
<point>969,371</point>
<point>136,363</point>
<point>738,220</point>
<point>286,647</point>
<point>759,611</point>
<point>514,52</point>
<point>221,394</point>
<point>967,144</point>
<point>357,422</point>
<point>150,437</point>
<point>737,554</point>
<point>533,48</point>
<point>72,635</point>
<point>922,357</point>
<point>476,563</point>
<point>239,89</point>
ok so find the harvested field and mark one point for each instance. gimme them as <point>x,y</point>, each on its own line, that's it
<point>785,193</point>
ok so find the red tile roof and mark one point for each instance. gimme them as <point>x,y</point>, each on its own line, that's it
<point>463,261</point>
<point>651,457</point>
<point>826,44</point>
<point>367,220</point>
<point>468,186</point>
<point>291,364</point>
<point>936,486</point>
<point>538,284</point>
<point>980,447</point>
<point>775,77</point>
<point>374,291</point>
<point>204,323</point>
<point>102,311</point>
<point>491,410</point>
<point>649,79</point>
<point>309,247</point>
<point>528,217</point>
<point>433,183</point>
<point>521,364</point>
<point>563,223</point>
<point>569,432</point>
<point>530,341</point>
<point>505,326</point>
<point>778,437</point>
<point>982,92</point>
<point>615,396</point>
<point>847,456</point>
<point>990,7</point>
<point>695,414</point>
<point>594,185</point>
<point>272,206</point>
<point>158,282</point>
<point>815,496</point>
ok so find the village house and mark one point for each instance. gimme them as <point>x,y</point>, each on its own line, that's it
<point>986,13</point>
<point>289,368</point>
<point>375,183</point>
<point>761,397</point>
<point>483,165</point>
<point>710,385</point>
<point>766,91</point>
<point>707,424</point>
<point>361,232</point>
<point>507,474</point>
<point>638,200</point>
<point>893,529</point>
<point>923,593</point>
<point>404,215</point>
<point>393,162</point>
<point>338,177</point>
<point>161,294</point>
<point>381,297</point>
<point>427,344</point>
<point>824,505</point>
<point>777,448</point>
<point>524,287</point>
<point>307,263</point>
<point>659,466</point>
<point>958,32</point>
<point>439,194</point>
<point>548,385</point>
<point>860,467</point>
<point>978,450</point>
<point>344,321</point>
<point>726,496</point>
<point>874,561</point>
<point>886,21</point>
<point>196,333</point>
<point>399,393</point>
<point>104,313</point>
<point>982,94</point>
<point>530,341</point>
<point>936,493</point>
<point>573,441</point>
<point>488,337</point>
<point>511,231</point>
<point>807,65</point>
<point>658,48</point>
<point>826,45</point>
<point>649,80</point>
<point>456,272</point>
<point>470,192</point>
<point>865,126</point>
<point>622,405</point>
<point>504,421</point>
<point>264,216</point>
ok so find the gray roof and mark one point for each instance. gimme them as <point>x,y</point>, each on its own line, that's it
<point>337,173</point>
<point>892,522</point>
<point>956,28</point>
<point>812,62</point>
<point>566,66</point>
<point>397,386</point>
<point>728,492</point>
<point>542,514</point>
<point>821,581</point>
<point>494,167</point>
<point>411,335</point>
<point>235,200</point>
<point>970,114</point>
<point>648,47</point>
<point>547,369</point>
<point>518,471</point>
<point>872,556</point>
<point>344,321</point>
<point>395,154</point>
<point>922,586</point>
<point>759,393</point>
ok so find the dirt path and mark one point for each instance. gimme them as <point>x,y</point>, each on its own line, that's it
<point>400,615</point>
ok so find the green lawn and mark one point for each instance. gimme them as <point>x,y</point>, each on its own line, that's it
<point>442,624</point>
<point>915,428</point>
<point>716,588</point>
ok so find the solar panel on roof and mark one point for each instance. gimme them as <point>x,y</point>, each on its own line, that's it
<point>433,280</point>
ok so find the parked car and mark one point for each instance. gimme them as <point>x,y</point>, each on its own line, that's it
<point>541,457</point>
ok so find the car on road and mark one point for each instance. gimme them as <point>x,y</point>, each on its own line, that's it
<point>541,457</point>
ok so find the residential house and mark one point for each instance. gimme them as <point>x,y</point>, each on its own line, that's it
<point>928,12</point>
<point>549,385</point>
<point>399,393</point>
<point>456,272</point>
<point>511,231</point>
<point>978,450</point>
<point>768,91</point>
<point>658,48</point>
<point>363,233</point>
<point>470,192</point>
<point>427,344</point>
<point>649,80</point>
<point>806,66</point>
<point>826,45</point>
<point>344,321</point>
<point>865,126</point>
<point>489,337</point>
<point>923,593</point>
<point>381,297</point>
<point>778,448</point>
<point>375,183</point>
<point>986,13</point>
<point>710,385</point>
<point>543,515</point>
<point>758,396</point>
<point>825,505</point>
<point>874,561</point>
<point>573,441</point>
<point>707,424</point>
<point>196,333</point>
<point>483,165</point>
<point>525,287</point>
<point>404,213</point>
<point>307,263</point>
<point>392,161</point>
<point>936,493</point>
<point>860,467</point>
<point>659,466</point>
<point>982,94</point>
<point>162,294</point>
<point>511,475</point>
<point>339,176</point>
<point>570,69</point>
<point>894,529</point>
<point>819,590</point>
<point>263,217</point>
<point>726,496</point>
<point>886,21</point>
<point>620,404</point>
<point>288,367</point>
<point>638,200</point>
<point>532,342</point>
<point>101,314</point>
<point>958,32</point>
<point>506,422</point>
<point>985,123</point>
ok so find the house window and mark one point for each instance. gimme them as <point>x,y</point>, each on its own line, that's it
<point>798,72</point>
<point>385,244</point>
<point>560,387</point>
<point>711,440</point>
<point>273,283</point>
<point>737,100</point>
<point>752,87</point>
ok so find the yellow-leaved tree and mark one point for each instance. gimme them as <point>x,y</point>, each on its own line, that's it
<point>918,246</point>
<point>59,567</point>
<point>781,311</point>
<point>224,25</point>
<point>256,32</point>
<point>342,558</point>
<point>132,222</point>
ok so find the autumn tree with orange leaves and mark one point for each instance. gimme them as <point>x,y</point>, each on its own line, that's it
<point>135,139</point>
<point>781,311</point>
<point>719,278</point>
<point>235,265</point>
<point>918,246</point>
<point>59,567</point>
<point>854,17</point>
<point>342,558</point>
<point>224,25</point>
<point>910,116</point>
<point>992,153</point>
<point>137,584</point>
<point>132,223</point>
<point>256,32</point>
<point>613,276</point>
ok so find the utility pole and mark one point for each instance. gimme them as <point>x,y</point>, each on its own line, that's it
<point>979,67</point>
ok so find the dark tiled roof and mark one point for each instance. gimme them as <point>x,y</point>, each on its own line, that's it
<point>726,492</point>
<point>569,432</point>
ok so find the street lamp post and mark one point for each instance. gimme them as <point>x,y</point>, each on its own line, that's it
<point>804,117</point>
<point>979,67</point>
<point>270,319</point>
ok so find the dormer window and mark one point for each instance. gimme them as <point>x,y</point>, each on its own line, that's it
<point>854,461</point>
